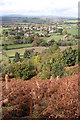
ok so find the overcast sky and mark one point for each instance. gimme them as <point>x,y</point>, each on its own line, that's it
<point>67,8</point>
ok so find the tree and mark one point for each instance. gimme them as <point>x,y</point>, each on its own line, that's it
<point>30,39</point>
<point>64,32</point>
<point>18,37</point>
<point>27,54</point>
<point>37,34</point>
<point>58,69</point>
<point>17,57</point>
<point>9,60</point>
<point>36,41</point>
<point>69,57</point>
<point>37,59</point>
<point>59,30</point>
<point>6,33</point>
<point>45,71</point>
<point>17,28</point>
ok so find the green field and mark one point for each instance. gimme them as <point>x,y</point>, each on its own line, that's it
<point>12,52</point>
<point>73,30</point>
<point>1,29</point>
<point>72,20</point>
<point>54,36</point>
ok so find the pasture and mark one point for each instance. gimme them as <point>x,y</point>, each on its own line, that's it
<point>73,30</point>
<point>54,36</point>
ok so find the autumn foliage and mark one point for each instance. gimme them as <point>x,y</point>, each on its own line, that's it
<point>53,98</point>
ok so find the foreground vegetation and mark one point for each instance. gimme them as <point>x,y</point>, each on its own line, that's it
<point>44,99</point>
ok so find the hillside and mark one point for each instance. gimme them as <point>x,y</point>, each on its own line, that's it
<point>53,98</point>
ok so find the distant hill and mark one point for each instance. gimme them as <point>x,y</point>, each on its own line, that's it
<point>33,19</point>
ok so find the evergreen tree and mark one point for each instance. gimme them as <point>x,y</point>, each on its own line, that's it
<point>17,57</point>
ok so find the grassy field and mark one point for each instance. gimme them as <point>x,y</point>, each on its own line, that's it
<point>12,52</point>
<point>54,36</point>
<point>1,29</point>
<point>73,30</point>
<point>8,42</point>
<point>72,21</point>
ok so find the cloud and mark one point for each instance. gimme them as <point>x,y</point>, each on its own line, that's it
<point>2,2</point>
<point>39,7</point>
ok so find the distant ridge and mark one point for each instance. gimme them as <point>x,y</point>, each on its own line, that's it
<point>49,16</point>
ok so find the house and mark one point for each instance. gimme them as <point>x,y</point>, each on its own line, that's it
<point>59,29</point>
<point>67,37</point>
<point>29,33</point>
<point>49,28</point>
<point>26,34</point>
<point>34,27</point>
<point>42,35</point>
<point>38,28</point>
<point>51,31</point>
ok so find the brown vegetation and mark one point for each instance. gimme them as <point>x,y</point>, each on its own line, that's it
<point>42,98</point>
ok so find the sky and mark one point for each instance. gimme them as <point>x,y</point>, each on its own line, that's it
<point>62,8</point>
